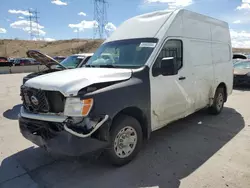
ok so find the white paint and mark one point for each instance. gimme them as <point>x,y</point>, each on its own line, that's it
<point>69,82</point>
<point>206,63</point>
<point>171,98</point>
<point>142,26</point>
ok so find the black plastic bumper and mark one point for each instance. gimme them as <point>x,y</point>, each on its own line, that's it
<point>241,80</point>
<point>54,138</point>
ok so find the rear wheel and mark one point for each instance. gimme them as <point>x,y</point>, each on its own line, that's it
<point>218,103</point>
<point>125,140</point>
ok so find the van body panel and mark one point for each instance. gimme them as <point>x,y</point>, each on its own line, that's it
<point>172,98</point>
<point>200,58</point>
<point>223,65</point>
<point>130,93</point>
<point>206,54</point>
<point>149,24</point>
<point>198,46</point>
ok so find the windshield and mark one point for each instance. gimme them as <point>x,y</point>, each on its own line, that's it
<point>242,65</point>
<point>72,61</point>
<point>130,53</point>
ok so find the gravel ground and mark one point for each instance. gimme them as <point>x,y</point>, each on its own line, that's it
<point>198,151</point>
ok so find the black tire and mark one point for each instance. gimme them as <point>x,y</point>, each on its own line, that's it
<point>216,109</point>
<point>119,124</point>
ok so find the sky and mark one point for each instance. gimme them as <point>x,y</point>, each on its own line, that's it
<point>67,19</point>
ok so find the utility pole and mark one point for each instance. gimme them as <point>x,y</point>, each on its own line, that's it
<point>34,24</point>
<point>100,16</point>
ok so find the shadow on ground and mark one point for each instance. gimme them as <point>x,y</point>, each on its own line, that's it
<point>12,114</point>
<point>171,154</point>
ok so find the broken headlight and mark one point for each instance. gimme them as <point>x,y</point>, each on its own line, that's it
<point>76,107</point>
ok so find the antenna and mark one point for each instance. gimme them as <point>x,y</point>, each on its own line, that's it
<point>34,24</point>
<point>100,16</point>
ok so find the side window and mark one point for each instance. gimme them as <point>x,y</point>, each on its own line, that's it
<point>172,48</point>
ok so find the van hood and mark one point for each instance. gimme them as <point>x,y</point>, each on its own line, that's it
<point>69,82</point>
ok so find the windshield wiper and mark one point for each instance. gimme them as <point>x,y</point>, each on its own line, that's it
<point>102,66</point>
<point>89,66</point>
<point>108,66</point>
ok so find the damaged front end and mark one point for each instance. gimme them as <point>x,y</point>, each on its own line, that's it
<point>86,127</point>
<point>72,136</point>
<point>68,120</point>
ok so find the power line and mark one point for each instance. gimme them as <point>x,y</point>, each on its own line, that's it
<point>34,24</point>
<point>100,16</point>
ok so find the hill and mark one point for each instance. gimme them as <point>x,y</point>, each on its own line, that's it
<point>242,50</point>
<point>18,48</point>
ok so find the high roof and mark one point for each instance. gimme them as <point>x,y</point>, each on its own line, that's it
<point>156,24</point>
<point>142,26</point>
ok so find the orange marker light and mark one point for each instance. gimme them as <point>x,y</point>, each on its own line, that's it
<point>87,104</point>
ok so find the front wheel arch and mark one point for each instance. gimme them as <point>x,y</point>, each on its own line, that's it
<point>139,115</point>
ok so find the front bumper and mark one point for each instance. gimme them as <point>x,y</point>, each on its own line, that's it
<point>54,138</point>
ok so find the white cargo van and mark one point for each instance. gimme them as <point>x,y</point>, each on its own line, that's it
<point>164,66</point>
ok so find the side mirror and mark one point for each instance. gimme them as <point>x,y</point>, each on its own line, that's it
<point>168,66</point>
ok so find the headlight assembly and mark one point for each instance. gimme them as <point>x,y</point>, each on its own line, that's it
<point>76,107</point>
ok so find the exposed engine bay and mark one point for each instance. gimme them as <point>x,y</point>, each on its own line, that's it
<point>51,64</point>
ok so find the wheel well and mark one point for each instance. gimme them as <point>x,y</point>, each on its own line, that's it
<point>223,85</point>
<point>139,116</point>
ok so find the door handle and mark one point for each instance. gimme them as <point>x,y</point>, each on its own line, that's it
<point>182,78</point>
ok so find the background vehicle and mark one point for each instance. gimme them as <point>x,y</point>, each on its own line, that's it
<point>59,58</point>
<point>238,56</point>
<point>242,73</point>
<point>11,60</point>
<point>3,59</point>
<point>73,61</point>
<point>4,62</point>
<point>76,60</point>
<point>25,62</point>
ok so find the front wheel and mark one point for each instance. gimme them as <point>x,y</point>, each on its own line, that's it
<point>125,140</point>
<point>218,103</point>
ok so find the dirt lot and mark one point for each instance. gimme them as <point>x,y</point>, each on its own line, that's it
<point>198,151</point>
<point>18,48</point>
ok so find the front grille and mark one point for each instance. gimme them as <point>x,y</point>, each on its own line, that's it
<point>36,100</point>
